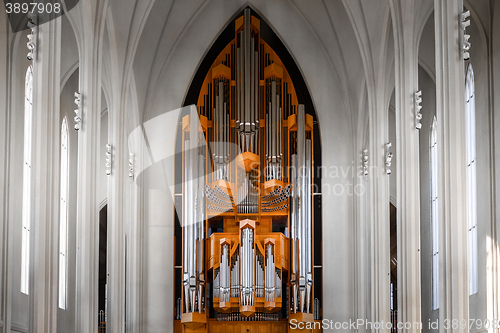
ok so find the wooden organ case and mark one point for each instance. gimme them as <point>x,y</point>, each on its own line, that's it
<point>247,232</point>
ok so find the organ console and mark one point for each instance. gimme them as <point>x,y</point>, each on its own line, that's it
<point>247,238</point>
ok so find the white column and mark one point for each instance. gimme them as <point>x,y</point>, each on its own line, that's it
<point>117,220</point>
<point>450,109</point>
<point>87,253</point>
<point>408,170</point>
<point>380,214</point>
<point>5,123</point>
<point>44,245</point>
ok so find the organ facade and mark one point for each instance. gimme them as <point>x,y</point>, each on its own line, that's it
<point>247,168</point>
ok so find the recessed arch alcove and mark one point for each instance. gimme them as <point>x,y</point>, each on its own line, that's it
<point>293,91</point>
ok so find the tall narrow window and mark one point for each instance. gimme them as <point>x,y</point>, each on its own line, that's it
<point>26,217</point>
<point>470,120</point>
<point>63,215</point>
<point>434,215</point>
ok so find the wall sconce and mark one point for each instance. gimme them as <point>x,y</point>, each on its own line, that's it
<point>32,36</point>
<point>418,107</point>
<point>78,111</point>
<point>108,159</point>
<point>364,162</point>
<point>388,158</point>
<point>464,23</point>
<point>131,166</point>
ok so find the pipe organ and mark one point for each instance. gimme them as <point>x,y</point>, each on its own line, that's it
<point>247,237</point>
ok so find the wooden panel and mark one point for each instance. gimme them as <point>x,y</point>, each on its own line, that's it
<point>177,326</point>
<point>279,327</point>
<point>246,327</point>
<point>216,327</point>
<point>232,327</point>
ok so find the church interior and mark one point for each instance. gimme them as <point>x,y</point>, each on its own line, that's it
<point>250,166</point>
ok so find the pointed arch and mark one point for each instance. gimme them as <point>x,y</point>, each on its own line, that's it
<point>433,158</point>
<point>470,123</point>
<point>27,177</point>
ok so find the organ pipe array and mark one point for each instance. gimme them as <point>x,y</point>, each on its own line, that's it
<point>247,76</point>
<point>274,129</point>
<point>247,209</point>
<point>221,134</point>
<point>301,221</point>
<point>194,217</point>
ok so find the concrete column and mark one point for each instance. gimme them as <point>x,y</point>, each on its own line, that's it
<point>44,247</point>
<point>450,110</point>
<point>117,220</point>
<point>379,229</point>
<point>5,91</point>
<point>87,253</point>
<point>408,172</point>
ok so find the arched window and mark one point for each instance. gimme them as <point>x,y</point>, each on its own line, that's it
<point>63,215</point>
<point>470,122</point>
<point>26,217</point>
<point>434,214</point>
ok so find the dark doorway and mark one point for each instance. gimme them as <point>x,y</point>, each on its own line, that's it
<point>103,254</point>
<point>394,265</point>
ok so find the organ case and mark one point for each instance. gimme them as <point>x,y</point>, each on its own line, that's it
<point>247,193</point>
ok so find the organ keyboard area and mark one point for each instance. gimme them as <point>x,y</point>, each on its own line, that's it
<point>246,217</point>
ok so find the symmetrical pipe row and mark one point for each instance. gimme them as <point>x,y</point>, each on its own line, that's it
<point>219,209</point>
<point>270,273</point>
<point>248,197</point>
<point>224,274</point>
<point>218,200</point>
<point>235,276</point>
<point>247,76</point>
<point>216,282</point>
<point>282,198</point>
<point>274,151</point>
<point>247,267</point>
<point>301,235</point>
<point>275,209</point>
<point>193,219</point>
<point>277,290</point>
<point>260,283</point>
<point>221,129</point>
<point>236,316</point>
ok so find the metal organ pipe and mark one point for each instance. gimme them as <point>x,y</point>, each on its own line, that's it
<point>308,225</point>
<point>193,219</point>
<point>200,208</point>
<point>270,273</point>
<point>221,134</point>
<point>247,267</point>
<point>294,234</point>
<point>186,227</point>
<point>301,219</point>
<point>274,135</point>
<point>247,69</point>
<point>224,271</point>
